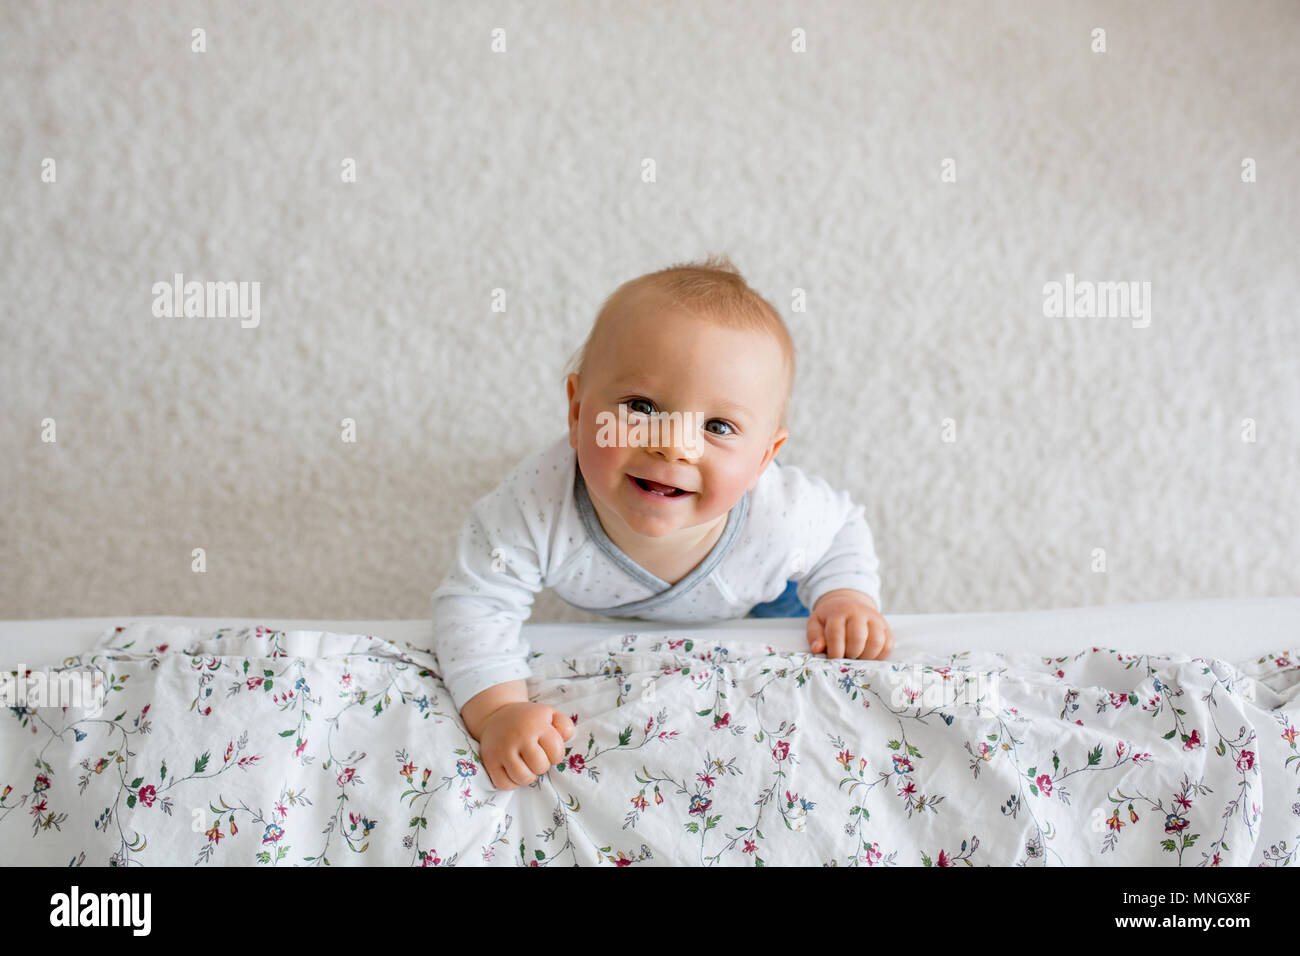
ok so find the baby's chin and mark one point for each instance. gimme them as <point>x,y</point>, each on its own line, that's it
<point>669,521</point>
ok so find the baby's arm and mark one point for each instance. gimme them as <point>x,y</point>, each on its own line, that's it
<point>849,562</point>
<point>842,587</point>
<point>478,613</point>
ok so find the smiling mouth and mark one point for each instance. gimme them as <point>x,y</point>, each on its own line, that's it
<point>655,488</point>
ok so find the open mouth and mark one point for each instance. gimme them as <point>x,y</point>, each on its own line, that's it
<point>655,488</point>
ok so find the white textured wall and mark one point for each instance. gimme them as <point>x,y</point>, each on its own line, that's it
<point>521,170</point>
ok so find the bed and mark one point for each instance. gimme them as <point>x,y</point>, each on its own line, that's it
<point>1159,734</point>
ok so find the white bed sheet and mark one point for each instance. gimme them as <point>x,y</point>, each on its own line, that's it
<point>1233,629</point>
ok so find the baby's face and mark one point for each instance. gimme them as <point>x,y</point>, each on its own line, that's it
<point>659,361</point>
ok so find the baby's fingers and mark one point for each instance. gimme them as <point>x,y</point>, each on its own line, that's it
<point>561,722</point>
<point>835,636</point>
<point>816,637</point>
<point>875,645</point>
<point>500,779</point>
<point>855,640</point>
<point>536,758</point>
<point>517,770</point>
<point>553,745</point>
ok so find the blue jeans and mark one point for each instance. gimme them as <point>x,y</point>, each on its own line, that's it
<point>787,605</point>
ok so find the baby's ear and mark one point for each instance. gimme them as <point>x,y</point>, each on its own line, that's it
<point>777,441</point>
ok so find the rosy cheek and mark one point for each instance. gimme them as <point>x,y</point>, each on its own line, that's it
<point>727,484</point>
<point>598,459</point>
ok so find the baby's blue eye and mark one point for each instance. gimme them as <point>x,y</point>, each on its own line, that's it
<point>650,410</point>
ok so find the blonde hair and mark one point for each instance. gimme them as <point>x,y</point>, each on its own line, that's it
<point>712,291</point>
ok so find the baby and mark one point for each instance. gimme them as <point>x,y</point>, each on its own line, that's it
<point>684,522</point>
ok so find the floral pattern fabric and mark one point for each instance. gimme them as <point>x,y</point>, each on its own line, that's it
<point>254,747</point>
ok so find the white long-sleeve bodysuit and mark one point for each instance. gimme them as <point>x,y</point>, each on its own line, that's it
<point>538,529</point>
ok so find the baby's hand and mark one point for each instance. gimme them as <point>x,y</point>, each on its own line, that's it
<point>521,741</point>
<point>846,623</point>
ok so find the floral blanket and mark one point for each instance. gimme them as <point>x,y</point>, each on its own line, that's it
<point>253,747</point>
